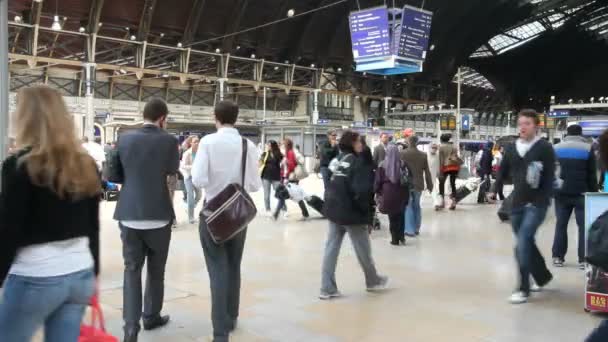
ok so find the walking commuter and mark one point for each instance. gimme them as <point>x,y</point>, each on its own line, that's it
<point>380,150</point>
<point>145,214</point>
<point>193,194</point>
<point>579,175</point>
<point>418,164</point>
<point>367,164</point>
<point>433,160</point>
<point>328,151</point>
<point>531,164</point>
<point>183,147</point>
<point>485,172</point>
<point>289,164</point>
<point>449,164</point>
<point>349,196</point>
<point>95,150</point>
<point>498,157</point>
<point>391,193</point>
<point>270,170</point>
<point>49,218</point>
<point>214,169</point>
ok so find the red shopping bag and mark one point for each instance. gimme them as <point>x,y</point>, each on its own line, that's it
<point>96,332</point>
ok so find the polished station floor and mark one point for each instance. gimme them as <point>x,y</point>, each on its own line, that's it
<point>450,284</point>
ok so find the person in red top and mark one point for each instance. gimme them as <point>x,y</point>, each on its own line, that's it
<point>289,164</point>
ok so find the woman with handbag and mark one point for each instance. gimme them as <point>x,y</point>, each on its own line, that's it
<point>49,223</point>
<point>392,192</point>
<point>288,175</point>
<point>449,163</point>
<point>270,171</point>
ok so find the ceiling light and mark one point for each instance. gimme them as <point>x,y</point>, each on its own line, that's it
<point>81,29</point>
<point>238,47</point>
<point>570,101</point>
<point>312,65</point>
<point>100,24</point>
<point>432,47</point>
<point>179,44</point>
<point>339,69</point>
<point>128,29</point>
<point>286,61</point>
<point>133,37</point>
<point>123,71</point>
<point>165,75</point>
<point>291,12</point>
<point>592,99</point>
<point>276,68</point>
<point>56,25</point>
<point>218,50</point>
<point>253,55</point>
<point>162,35</point>
<point>17,19</point>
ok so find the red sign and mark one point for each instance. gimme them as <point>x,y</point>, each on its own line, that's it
<point>597,302</point>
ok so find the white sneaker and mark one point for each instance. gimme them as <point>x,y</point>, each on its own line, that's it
<point>383,285</point>
<point>536,288</point>
<point>328,296</point>
<point>518,298</point>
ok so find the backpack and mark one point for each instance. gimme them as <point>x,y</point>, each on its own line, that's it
<point>597,242</point>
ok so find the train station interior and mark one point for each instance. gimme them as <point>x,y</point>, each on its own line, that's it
<point>304,71</point>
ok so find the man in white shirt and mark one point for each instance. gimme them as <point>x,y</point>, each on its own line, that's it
<point>96,151</point>
<point>215,167</point>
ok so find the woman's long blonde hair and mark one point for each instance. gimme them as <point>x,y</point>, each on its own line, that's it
<point>56,159</point>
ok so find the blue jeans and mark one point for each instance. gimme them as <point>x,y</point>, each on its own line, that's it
<point>564,205</point>
<point>525,222</point>
<point>193,197</point>
<point>600,334</point>
<point>267,184</point>
<point>326,174</point>
<point>413,214</point>
<point>57,303</point>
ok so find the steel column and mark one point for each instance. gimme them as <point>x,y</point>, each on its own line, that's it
<point>89,127</point>
<point>4,85</point>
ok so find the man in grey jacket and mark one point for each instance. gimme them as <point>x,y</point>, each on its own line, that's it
<point>418,163</point>
<point>145,158</point>
<point>380,150</point>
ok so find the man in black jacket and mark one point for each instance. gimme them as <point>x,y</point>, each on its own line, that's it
<point>579,175</point>
<point>531,163</point>
<point>328,151</point>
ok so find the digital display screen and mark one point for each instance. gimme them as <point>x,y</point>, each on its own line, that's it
<point>415,33</point>
<point>369,31</point>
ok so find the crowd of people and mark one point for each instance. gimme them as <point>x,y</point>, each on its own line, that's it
<point>52,184</point>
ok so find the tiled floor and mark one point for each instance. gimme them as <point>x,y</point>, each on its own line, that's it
<point>451,284</point>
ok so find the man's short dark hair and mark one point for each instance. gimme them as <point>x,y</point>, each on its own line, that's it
<point>445,138</point>
<point>155,109</point>
<point>413,140</point>
<point>575,130</point>
<point>226,112</point>
<point>530,113</point>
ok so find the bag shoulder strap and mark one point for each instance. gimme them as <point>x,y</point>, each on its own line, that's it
<point>243,162</point>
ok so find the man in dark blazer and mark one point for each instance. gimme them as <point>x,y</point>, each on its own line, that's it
<point>380,150</point>
<point>144,159</point>
<point>417,162</point>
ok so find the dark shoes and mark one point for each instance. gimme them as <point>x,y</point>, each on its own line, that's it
<point>157,322</point>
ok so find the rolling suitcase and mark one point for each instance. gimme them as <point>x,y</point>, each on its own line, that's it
<point>484,187</point>
<point>461,193</point>
<point>316,203</point>
<point>504,212</point>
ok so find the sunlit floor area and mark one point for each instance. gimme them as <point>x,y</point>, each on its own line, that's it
<point>450,284</point>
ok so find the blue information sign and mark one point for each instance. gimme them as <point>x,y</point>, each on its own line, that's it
<point>415,33</point>
<point>369,31</point>
<point>594,128</point>
<point>466,123</point>
<point>559,113</point>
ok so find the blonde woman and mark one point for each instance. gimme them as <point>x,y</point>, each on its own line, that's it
<point>193,194</point>
<point>49,223</point>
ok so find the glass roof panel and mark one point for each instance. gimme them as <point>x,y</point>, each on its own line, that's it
<point>470,77</point>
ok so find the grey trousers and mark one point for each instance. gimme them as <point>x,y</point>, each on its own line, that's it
<point>139,247</point>
<point>359,237</point>
<point>224,268</point>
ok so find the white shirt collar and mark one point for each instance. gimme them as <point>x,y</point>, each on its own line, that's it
<point>150,123</point>
<point>228,130</point>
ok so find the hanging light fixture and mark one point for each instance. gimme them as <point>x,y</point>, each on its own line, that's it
<point>56,24</point>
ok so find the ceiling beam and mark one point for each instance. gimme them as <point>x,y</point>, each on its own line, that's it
<point>193,23</point>
<point>146,20</point>
<point>95,15</point>
<point>269,33</point>
<point>233,25</point>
